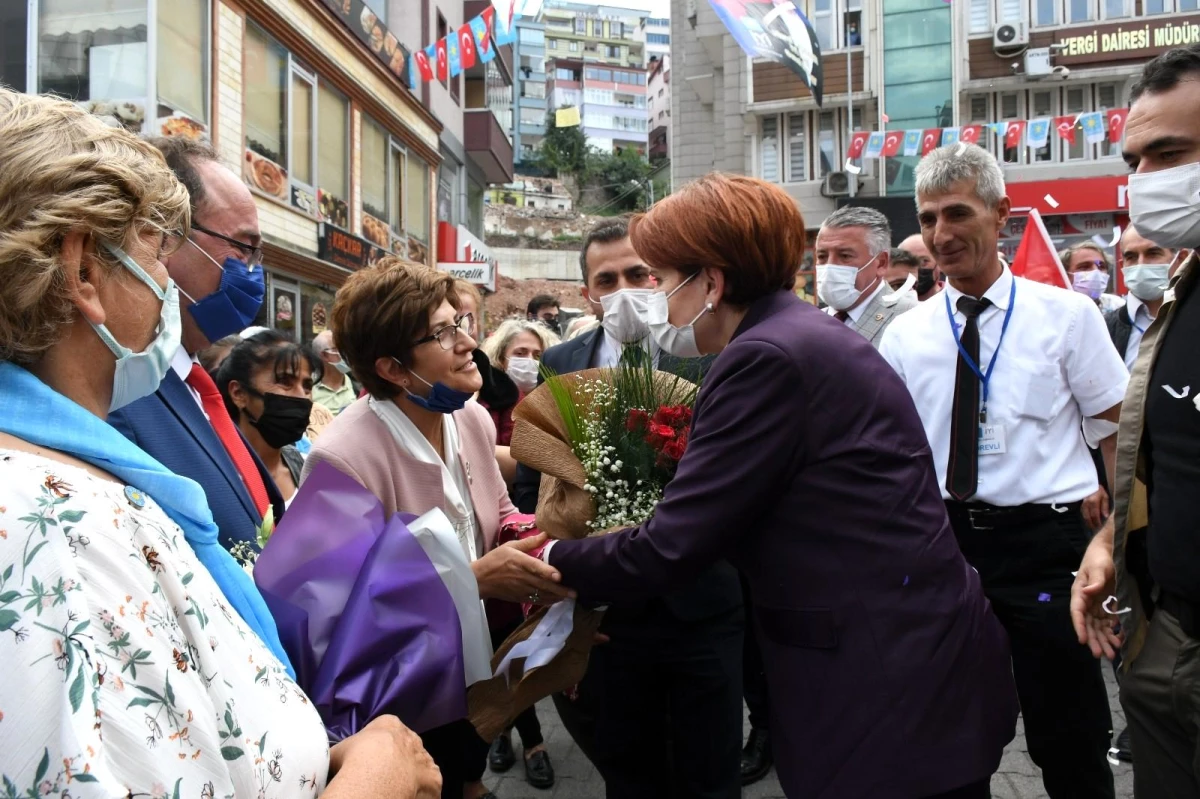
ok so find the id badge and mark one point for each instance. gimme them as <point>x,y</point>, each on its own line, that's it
<point>991,439</point>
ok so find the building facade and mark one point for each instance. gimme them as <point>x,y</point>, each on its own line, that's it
<point>306,98</point>
<point>529,91</point>
<point>594,33</point>
<point>658,107</point>
<point>611,101</point>
<point>656,33</point>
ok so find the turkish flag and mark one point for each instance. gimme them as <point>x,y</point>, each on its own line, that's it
<point>970,134</point>
<point>857,142</point>
<point>443,66</point>
<point>1116,124</point>
<point>892,142</point>
<point>1036,258</point>
<point>1012,136</point>
<point>423,65</point>
<point>930,140</point>
<point>1066,128</point>
<point>466,46</point>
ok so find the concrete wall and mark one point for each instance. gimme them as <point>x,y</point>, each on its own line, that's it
<point>521,264</point>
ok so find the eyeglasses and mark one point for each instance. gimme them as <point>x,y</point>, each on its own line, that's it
<point>254,252</point>
<point>447,335</point>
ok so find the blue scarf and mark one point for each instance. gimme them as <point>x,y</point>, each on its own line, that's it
<point>31,410</point>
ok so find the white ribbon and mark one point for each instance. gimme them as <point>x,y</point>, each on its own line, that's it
<point>545,642</point>
<point>1112,600</point>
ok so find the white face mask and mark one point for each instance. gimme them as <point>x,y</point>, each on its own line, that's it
<point>138,374</point>
<point>625,314</point>
<point>1165,206</point>
<point>1092,283</point>
<point>523,372</point>
<point>677,341</point>
<point>1147,282</point>
<point>835,284</point>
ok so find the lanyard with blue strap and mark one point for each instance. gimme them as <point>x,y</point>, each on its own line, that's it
<point>984,377</point>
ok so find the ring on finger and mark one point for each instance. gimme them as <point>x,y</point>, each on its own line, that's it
<point>535,596</point>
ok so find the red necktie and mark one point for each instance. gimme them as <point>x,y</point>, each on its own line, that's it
<point>214,406</point>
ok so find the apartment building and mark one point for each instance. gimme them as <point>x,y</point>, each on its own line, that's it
<point>658,106</point>
<point>656,33</point>
<point>529,91</point>
<point>605,34</point>
<point>611,100</point>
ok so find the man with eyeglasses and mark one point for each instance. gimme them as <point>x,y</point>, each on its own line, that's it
<point>335,390</point>
<point>218,269</point>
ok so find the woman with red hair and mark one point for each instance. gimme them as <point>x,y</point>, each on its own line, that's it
<point>809,470</point>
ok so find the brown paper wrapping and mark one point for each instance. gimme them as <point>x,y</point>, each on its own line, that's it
<point>540,441</point>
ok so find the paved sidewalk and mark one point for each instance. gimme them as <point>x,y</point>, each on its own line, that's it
<point>1017,778</point>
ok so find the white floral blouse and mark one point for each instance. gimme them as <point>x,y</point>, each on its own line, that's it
<point>125,674</point>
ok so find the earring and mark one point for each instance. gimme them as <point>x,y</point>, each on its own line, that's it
<point>710,308</point>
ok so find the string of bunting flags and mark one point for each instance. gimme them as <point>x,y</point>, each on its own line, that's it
<point>1095,125</point>
<point>474,42</point>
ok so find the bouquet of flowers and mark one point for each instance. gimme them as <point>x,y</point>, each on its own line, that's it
<point>607,442</point>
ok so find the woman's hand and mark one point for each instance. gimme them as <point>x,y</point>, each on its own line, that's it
<point>385,760</point>
<point>508,573</point>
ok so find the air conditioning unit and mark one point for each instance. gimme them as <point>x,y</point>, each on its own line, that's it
<point>1010,35</point>
<point>837,184</point>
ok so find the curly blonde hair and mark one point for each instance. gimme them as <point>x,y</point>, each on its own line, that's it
<point>497,343</point>
<point>65,170</point>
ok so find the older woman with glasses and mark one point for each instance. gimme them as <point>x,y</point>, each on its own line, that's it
<point>138,657</point>
<point>417,443</point>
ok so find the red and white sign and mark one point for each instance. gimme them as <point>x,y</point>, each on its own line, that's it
<point>463,255</point>
<point>1079,196</point>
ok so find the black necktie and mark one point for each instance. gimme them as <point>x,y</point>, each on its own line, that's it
<point>962,469</point>
<point>841,316</point>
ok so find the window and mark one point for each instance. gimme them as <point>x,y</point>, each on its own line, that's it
<point>447,192</point>
<point>418,200</point>
<point>826,141</point>
<point>573,46</point>
<point>374,169</point>
<point>183,63</point>
<point>1073,104</point>
<point>300,164</point>
<point>1044,12</point>
<point>581,25</point>
<point>552,44</point>
<point>1042,105</point>
<point>795,150</point>
<point>770,149</point>
<point>442,30</point>
<point>980,16</point>
<point>397,180</point>
<point>379,8</point>
<point>265,92</point>
<point>532,116</point>
<point>658,38</point>
<point>1168,6</point>
<point>1107,96</point>
<point>1050,104</point>
<point>534,89</point>
<point>612,51</point>
<point>532,36</point>
<point>95,53</point>
<point>333,138</point>
<point>601,96</point>
<point>564,74</point>
<point>822,22</point>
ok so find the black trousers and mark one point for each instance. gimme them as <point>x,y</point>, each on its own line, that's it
<point>456,748</point>
<point>659,712</point>
<point>1026,572</point>
<point>754,674</point>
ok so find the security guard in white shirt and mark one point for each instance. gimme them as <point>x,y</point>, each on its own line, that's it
<point>1003,371</point>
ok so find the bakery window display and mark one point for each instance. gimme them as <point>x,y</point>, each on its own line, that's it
<point>264,174</point>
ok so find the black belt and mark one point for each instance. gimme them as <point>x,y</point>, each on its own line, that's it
<point>1185,610</point>
<point>982,516</point>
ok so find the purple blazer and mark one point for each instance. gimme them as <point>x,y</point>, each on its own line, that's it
<point>809,470</point>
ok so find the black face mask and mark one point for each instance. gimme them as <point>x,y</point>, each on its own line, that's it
<point>925,281</point>
<point>284,419</point>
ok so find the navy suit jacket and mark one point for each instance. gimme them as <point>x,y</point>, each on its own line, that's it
<point>809,470</point>
<point>716,591</point>
<point>170,426</point>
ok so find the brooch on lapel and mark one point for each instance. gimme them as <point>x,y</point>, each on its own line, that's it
<point>136,498</point>
<point>878,317</point>
<point>467,469</point>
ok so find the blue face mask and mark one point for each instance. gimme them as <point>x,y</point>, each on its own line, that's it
<point>235,303</point>
<point>441,399</point>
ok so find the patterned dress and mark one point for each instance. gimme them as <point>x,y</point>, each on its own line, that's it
<point>124,671</point>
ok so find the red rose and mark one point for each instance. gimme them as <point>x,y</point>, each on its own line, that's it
<point>674,449</point>
<point>636,420</point>
<point>657,434</point>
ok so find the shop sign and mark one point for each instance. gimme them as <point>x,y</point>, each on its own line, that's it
<point>1125,41</point>
<point>1079,196</point>
<point>362,21</point>
<point>479,273</point>
<point>345,249</point>
<point>462,254</point>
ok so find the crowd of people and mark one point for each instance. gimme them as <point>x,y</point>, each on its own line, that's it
<point>892,531</point>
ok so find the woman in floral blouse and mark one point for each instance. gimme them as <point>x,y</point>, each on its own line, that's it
<point>133,662</point>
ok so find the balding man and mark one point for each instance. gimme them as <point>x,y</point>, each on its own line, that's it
<point>929,277</point>
<point>336,390</point>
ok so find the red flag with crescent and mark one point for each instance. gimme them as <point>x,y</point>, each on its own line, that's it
<point>970,134</point>
<point>466,46</point>
<point>930,140</point>
<point>892,142</point>
<point>1066,127</point>
<point>443,64</point>
<point>857,142</point>
<point>1116,124</point>
<point>1014,133</point>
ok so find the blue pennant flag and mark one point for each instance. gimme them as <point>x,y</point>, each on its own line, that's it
<point>1038,132</point>
<point>504,31</point>
<point>912,142</point>
<point>483,41</point>
<point>950,136</point>
<point>452,55</point>
<point>1093,127</point>
<point>874,147</point>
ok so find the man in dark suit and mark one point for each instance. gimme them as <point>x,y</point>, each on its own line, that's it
<point>184,425</point>
<point>660,709</point>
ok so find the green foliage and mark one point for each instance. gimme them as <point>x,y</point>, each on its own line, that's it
<point>622,175</point>
<point>564,150</point>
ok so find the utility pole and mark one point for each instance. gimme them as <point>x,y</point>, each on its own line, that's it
<point>849,96</point>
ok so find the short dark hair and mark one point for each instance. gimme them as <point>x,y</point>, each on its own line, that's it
<point>1164,73</point>
<point>541,301</point>
<point>265,347</point>
<point>901,257</point>
<point>604,232</point>
<point>182,155</point>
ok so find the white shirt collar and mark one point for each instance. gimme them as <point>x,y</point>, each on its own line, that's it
<point>1136,307</point>
<point>998,292</point>
<point>181,362</point>
<point>856,312</point>
<point>611,349</point>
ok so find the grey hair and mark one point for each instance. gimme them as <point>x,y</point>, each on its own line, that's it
<point>1066,255</point>
<point>956,163</point>
<point>879,230</point>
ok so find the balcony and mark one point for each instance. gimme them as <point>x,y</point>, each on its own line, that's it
<point>487,145</point>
